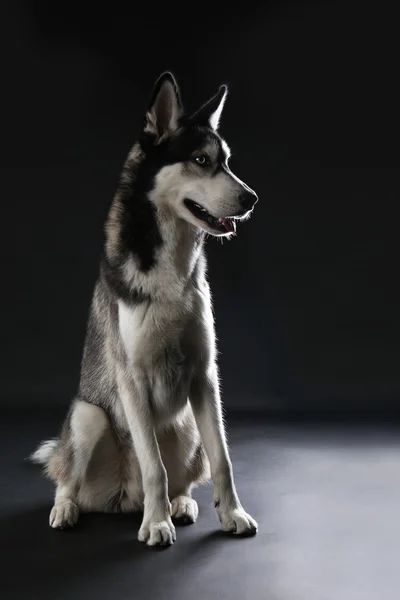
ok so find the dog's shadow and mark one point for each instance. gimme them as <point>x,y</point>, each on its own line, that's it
<point>39,562</point>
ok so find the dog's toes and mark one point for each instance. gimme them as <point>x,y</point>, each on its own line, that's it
<point>158,534</point>
<point>143,534</point>
<point>63,515</point>
<point>184,509</point>
<point>245,525</point>
<point>237,521</point>
<point>161,534</point>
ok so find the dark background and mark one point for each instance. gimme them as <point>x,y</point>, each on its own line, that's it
<point>305,296</point>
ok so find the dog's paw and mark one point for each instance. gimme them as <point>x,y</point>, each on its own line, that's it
<point>184,509</point>
<point>237,521</point>
<point>63,515</point>
<point>160,533</point>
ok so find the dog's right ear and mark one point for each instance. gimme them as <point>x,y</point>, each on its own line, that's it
<point>165,107</point>
<point>210,113</point>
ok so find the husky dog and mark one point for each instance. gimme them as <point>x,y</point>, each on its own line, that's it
<point>146,424</point>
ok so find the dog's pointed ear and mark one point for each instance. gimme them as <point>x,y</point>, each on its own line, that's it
<point>210,113</point>
<point>165,107</point>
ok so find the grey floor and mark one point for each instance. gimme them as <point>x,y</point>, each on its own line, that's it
<point>326,498</point>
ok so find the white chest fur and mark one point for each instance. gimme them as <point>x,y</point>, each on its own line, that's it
<point>153,339</point>
<point>131,329</point>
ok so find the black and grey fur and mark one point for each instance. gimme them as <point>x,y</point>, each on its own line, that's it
<point>146,423</point>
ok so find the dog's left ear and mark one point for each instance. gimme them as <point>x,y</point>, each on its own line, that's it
<point>209,114</point>
<point>165,108</point>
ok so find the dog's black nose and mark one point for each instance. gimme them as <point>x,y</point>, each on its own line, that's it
<point>247,199</point>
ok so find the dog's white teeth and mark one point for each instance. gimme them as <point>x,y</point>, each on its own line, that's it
<point>200,208</point>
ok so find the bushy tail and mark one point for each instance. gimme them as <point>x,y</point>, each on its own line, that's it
<point>44,452</point>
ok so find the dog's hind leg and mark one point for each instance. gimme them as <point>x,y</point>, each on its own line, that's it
<point>84,429</point>
<point>184,508</point>
<point>186,465</point>
<point>65,511</point>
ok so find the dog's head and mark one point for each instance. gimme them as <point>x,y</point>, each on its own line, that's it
<point>192,177</point>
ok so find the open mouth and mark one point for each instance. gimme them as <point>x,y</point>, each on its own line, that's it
<point>222,224</point>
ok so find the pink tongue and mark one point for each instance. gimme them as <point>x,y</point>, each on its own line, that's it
<point>228,224</point>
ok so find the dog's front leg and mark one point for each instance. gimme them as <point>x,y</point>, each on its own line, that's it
<point>206,403</point>
<point>157,528</point>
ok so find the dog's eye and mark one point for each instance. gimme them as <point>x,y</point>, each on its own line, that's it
<point>202,160</point>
